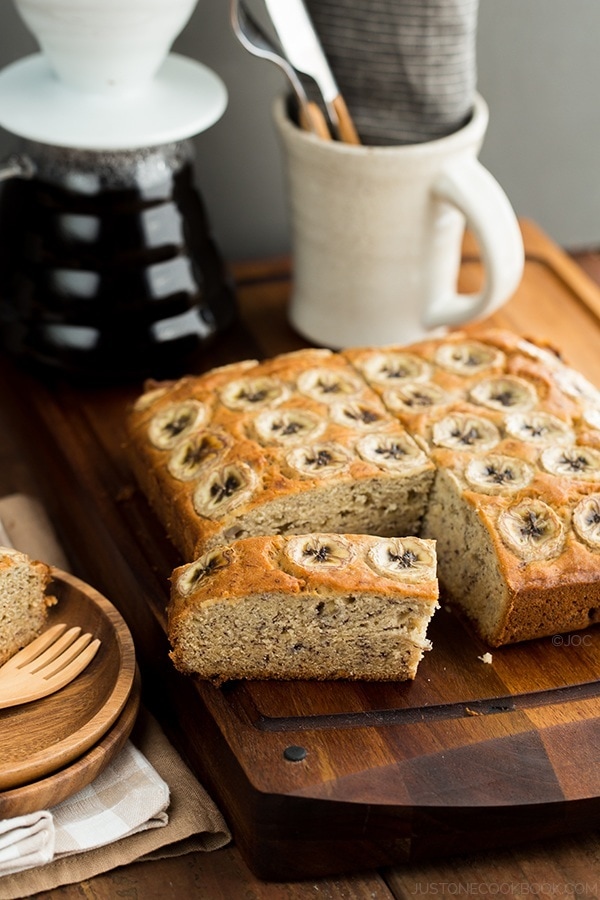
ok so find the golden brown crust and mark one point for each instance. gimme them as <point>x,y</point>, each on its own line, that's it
<point>252,564</point>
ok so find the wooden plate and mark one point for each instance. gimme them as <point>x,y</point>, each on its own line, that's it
<point>41,737</point>
<point>51,790</point>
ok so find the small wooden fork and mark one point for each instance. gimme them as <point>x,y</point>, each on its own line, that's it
<point>45,665</point>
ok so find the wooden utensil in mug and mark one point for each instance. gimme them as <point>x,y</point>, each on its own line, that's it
<point>252,36</point>
<point>303,50</point>
<point>46,665</point>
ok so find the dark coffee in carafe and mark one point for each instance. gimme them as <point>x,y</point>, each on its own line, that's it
<point>107,264</point>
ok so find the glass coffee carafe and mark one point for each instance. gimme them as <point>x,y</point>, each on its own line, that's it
<point>107,264</point>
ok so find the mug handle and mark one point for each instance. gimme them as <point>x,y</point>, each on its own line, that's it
<point>474,191</point>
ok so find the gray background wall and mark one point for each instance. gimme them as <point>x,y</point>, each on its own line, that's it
<point>538,68</point>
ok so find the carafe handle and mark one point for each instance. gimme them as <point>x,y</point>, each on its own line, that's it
<point>17,165</point>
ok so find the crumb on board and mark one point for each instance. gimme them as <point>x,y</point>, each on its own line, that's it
<point>486,658</point>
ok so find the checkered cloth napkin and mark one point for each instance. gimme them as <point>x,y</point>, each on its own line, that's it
<point>127,797</point>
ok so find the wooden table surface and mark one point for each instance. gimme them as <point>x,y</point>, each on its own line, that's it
<point>568,866</point>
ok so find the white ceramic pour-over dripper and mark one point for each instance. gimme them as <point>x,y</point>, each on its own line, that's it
<point>112,46</point>
<point>105,78</point>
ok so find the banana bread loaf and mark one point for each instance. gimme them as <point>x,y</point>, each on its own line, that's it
<point>320,606</point>
<point>489,445</point>
<point>23,600</point>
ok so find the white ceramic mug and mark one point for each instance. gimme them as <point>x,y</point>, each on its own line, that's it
<point>105,46</point>
<point>377,235</point>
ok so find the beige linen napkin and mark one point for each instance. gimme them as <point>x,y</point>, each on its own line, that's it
<point>181,817</point>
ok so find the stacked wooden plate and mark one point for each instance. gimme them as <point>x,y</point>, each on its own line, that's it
<point>53,747</point>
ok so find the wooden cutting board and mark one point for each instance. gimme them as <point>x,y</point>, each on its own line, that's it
<point>333,777</point>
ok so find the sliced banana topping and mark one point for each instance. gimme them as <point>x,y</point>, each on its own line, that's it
<point>496,474</point>
<point>539,428</point>
<point>201,569</point>
<point>591,417</point>
<point>468,357</point>
<point>323,551</point>
<point>572,462</point>
<point>586,520</point>
<point>288,426</point>
<point>359,416</point>
<point>397,452</point>
<point>415,396</point>
<point>532,530</point>
<point>508,394</point>
<point>394,367</point>
<point>575,385</point>
<point>319,460</point>
<point>225,488</point>
<point>328,385</point>
<point>253,393</point>
<point>195,454</point>
<point>174,422</point>
<point>465,432</point>
<point>405,559</point>
<point>542,354</point>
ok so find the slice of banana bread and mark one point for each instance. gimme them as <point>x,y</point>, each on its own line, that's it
<point>23,600</point>
<point>316,606</point>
